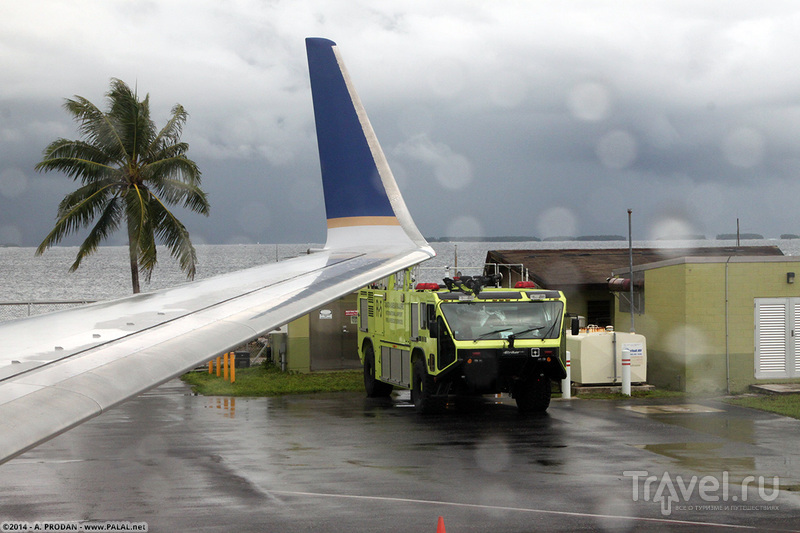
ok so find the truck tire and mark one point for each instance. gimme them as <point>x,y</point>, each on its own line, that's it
<point>533,396</point>
<point>422,387</point>
<point>374,387</point>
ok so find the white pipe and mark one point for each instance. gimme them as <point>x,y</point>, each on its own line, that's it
<point>626,372</point>
<point>566,383</point>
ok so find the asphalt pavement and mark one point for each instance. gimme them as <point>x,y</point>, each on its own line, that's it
<point>171,461</point>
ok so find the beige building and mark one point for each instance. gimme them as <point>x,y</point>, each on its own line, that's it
<point>716,319</point>
<point>717,324</point>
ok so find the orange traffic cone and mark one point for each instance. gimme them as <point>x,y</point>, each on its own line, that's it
<point>440,526</point>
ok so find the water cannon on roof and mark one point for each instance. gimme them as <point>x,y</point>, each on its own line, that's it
<point>472,284</point>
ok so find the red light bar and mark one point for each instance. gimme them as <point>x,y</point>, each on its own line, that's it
<point>427,287</point>
<point>525,285</point>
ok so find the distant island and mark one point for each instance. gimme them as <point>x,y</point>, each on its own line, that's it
<point>484,239</point>
<point>601,238</point>
<point>742,236</point>
<point>687,237</point>
<point>517,238</point>
<point>586,238</point>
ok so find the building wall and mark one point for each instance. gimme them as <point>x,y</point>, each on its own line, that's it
<point>746,282</point>
<point>684,321</point>
<point>298,345</point>
<point>705,327</point>
<point>664,312</point>
<point>317,344</point>
<point>578,298</point>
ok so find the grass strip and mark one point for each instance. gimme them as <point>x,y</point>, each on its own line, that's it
<point>654,394</point>
<point>782,404</point>
<point>270,381</point>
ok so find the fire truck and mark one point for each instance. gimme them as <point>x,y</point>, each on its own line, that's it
<point>466,337</point>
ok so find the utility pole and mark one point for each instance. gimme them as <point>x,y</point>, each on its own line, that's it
<point>630,264</point>
<point>738,241</point>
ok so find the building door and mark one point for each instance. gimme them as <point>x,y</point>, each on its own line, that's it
<point>777,350</point>
<point>333,336</point>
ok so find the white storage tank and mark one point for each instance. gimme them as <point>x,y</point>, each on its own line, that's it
<point>596,356</point>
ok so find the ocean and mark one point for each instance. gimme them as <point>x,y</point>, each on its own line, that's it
<point>106,274</point>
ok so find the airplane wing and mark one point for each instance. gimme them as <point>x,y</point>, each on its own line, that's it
<point>60,369</point>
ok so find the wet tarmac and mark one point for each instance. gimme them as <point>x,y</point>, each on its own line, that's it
<point>341,462</point>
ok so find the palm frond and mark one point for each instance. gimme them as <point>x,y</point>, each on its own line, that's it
<point>172,166</point>
<point>174,235</point>
<point>173,191</point>
<point>170,134</point>
<point>98,128</point>
<point>132,117</point>
<point>94,193</point>
<point>76,159</point>
<point>76,210</point>
<point>107,224</point>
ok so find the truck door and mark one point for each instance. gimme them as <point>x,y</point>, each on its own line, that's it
<point>446,349</point>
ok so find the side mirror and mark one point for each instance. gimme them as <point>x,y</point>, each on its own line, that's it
<point>575,326</point>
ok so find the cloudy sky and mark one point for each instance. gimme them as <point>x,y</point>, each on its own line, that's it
<point>498,118</point>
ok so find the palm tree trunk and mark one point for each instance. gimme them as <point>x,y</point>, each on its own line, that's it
<point>132,252</point>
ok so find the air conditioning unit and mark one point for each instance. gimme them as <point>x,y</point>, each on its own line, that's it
<point>596,356</point>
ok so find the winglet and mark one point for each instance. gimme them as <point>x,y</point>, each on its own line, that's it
<point>362,200</point>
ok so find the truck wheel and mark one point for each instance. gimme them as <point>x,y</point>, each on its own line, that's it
<point>422,387</point>
<point>533,396</point>
<point>374,387</point>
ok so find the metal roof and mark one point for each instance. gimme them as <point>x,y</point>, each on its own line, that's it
<point>556,268</point>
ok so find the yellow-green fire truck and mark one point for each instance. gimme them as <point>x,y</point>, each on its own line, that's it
<point>463,338</point>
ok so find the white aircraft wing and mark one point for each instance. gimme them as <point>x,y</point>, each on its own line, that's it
<point>60,369</point>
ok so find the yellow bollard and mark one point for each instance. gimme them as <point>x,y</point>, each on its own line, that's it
<point>233,367</point>
<point>211,367</point>
<point>218,363</point>
<point>225,367</point>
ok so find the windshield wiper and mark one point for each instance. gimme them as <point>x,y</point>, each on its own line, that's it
<point>550,331</point>
<point>517,334</point>
<point>524,331</point>
<point>495,332</point>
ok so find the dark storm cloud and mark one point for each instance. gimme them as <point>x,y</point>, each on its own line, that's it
<point>510,118</point>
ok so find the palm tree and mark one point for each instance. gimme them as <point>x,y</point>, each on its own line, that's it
<point>129,173</point>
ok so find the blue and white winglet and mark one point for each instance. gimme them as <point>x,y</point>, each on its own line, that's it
<point>60,369</point>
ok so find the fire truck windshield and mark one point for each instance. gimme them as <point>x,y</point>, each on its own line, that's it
<point>499,320</point>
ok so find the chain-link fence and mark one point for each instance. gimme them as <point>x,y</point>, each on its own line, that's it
<point>12,310</point>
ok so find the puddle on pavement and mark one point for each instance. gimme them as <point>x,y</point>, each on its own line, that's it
<point>733,429</point>
<point>701,456</point>
<point>702,419</point>
<point>704,456</point>
<point>671,409</point>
